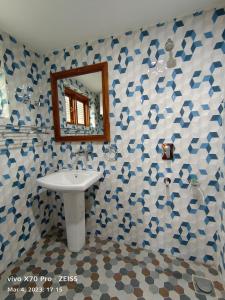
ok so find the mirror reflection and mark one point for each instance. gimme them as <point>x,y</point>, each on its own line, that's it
<point>80,104</point>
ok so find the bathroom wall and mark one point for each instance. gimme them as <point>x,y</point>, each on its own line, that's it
<point>150,105</point>
<point>221,205</point>
<point>26,213</point>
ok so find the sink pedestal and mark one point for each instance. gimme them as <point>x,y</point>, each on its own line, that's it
<point>72,184</point>
<point>74,207</point>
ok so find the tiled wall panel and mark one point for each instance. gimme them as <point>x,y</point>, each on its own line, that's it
<point>221,206</point>
<point>148,106</point>
<point>26,212</point>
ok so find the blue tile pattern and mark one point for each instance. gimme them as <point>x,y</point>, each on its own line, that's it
<point>184,106</point>
<point>26,212</point>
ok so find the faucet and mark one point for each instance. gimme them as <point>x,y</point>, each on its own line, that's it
<point>84,153</point>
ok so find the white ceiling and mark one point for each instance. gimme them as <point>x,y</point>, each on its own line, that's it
<point>44,25</point>
<point>93,81</point>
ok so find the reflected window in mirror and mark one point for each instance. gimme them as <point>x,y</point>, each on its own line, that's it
<point>77,108</point>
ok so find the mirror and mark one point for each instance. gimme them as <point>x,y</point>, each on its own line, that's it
<point>81,103</point>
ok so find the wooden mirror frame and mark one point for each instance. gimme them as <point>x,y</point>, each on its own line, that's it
<point>100,67</point>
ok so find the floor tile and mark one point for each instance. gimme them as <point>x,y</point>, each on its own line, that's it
<point>102,270</point>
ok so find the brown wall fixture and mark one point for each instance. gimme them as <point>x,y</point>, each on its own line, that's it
<point>100,67</point>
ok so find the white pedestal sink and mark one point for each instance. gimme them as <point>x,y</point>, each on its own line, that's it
<point>72,185</point>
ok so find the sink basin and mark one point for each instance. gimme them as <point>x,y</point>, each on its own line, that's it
<point>72,185</point>
<point>69,180</point>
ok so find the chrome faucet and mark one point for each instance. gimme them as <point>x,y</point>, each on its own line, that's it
<point>84,153</point>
